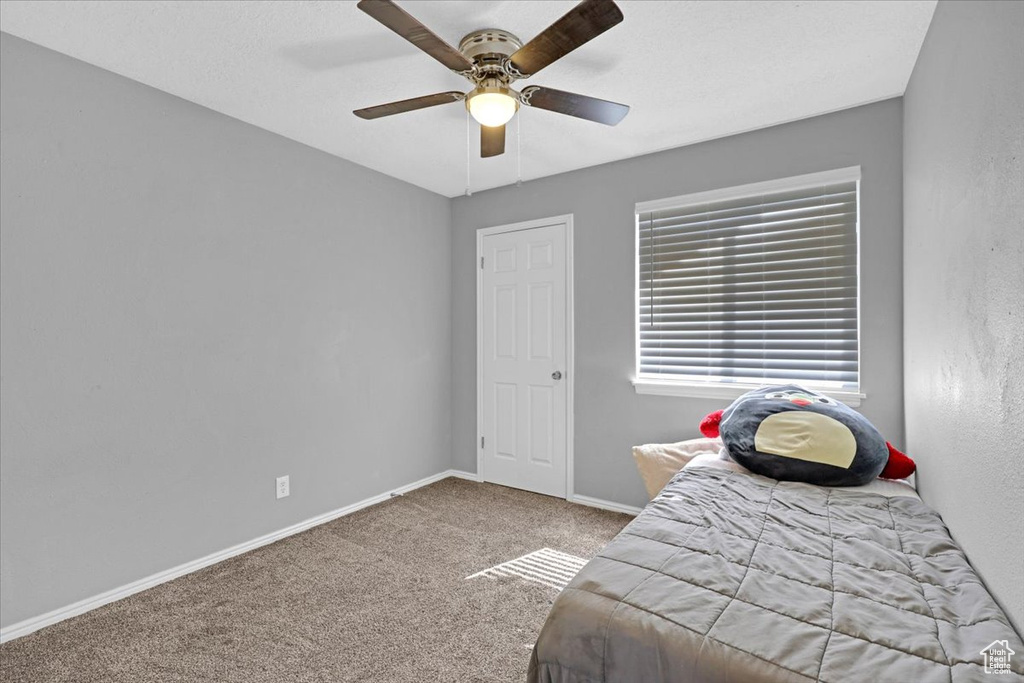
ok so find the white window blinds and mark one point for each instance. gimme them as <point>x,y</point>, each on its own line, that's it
<point>752,288</point>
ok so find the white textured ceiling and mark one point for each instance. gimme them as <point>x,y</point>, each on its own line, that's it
<point>691,71</point>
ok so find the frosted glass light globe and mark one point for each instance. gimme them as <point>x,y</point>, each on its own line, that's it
<point>492,108</point>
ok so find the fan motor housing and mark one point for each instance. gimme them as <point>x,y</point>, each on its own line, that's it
<point>489,41</point>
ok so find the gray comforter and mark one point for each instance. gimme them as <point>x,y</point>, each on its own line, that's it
<point>735,577</point>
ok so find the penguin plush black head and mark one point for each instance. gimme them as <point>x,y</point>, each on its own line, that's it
<point>795,434</point>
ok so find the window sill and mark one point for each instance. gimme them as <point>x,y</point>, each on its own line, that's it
<point>726,391</point>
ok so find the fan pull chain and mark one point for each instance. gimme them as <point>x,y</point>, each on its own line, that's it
<point>519,149</point>
<point>469,153</point>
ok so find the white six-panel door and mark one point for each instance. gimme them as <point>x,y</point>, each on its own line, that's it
<point>523,417</point>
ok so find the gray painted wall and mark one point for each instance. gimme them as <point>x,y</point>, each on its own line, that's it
<point>610,416</point>
<point>191,307</point>
<point>964,283</point>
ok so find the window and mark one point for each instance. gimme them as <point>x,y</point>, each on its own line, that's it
<point>749,286</point>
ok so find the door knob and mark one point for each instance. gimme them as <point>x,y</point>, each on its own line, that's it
<point>556,375</point>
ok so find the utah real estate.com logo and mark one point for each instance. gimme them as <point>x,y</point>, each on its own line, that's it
<point>997,657</point>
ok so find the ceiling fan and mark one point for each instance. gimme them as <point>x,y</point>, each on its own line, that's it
<point>492,59</point>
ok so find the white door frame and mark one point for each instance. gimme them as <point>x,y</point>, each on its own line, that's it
<point>570,343</point>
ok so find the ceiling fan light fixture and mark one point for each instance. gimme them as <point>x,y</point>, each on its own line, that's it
<point>492,106</point>
<point>492,58</point>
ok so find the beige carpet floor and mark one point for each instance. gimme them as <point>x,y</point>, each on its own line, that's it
<point>380,595</point>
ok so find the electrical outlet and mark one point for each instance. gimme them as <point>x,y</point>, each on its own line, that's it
<point>282,487</point>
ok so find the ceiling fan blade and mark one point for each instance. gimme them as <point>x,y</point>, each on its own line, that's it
<point>582,23</point>
<point>492,141</point>
<point>580,106</point>
<point>409,105</point>
<point>407,26</point>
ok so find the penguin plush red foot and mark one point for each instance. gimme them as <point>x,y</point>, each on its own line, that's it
<point>899,465</point>
<point>795,434</point>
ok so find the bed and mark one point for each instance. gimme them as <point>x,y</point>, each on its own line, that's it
<point>730,576</point>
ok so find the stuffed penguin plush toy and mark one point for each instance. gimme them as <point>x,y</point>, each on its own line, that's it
<point>794,434</point>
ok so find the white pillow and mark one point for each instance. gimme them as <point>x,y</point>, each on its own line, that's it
<point>658,462</point>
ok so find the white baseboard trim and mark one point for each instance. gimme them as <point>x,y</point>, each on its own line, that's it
<point>582,500</point>
<point>605,505</point>
<point>461,474</point>
<point>23,628</point>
